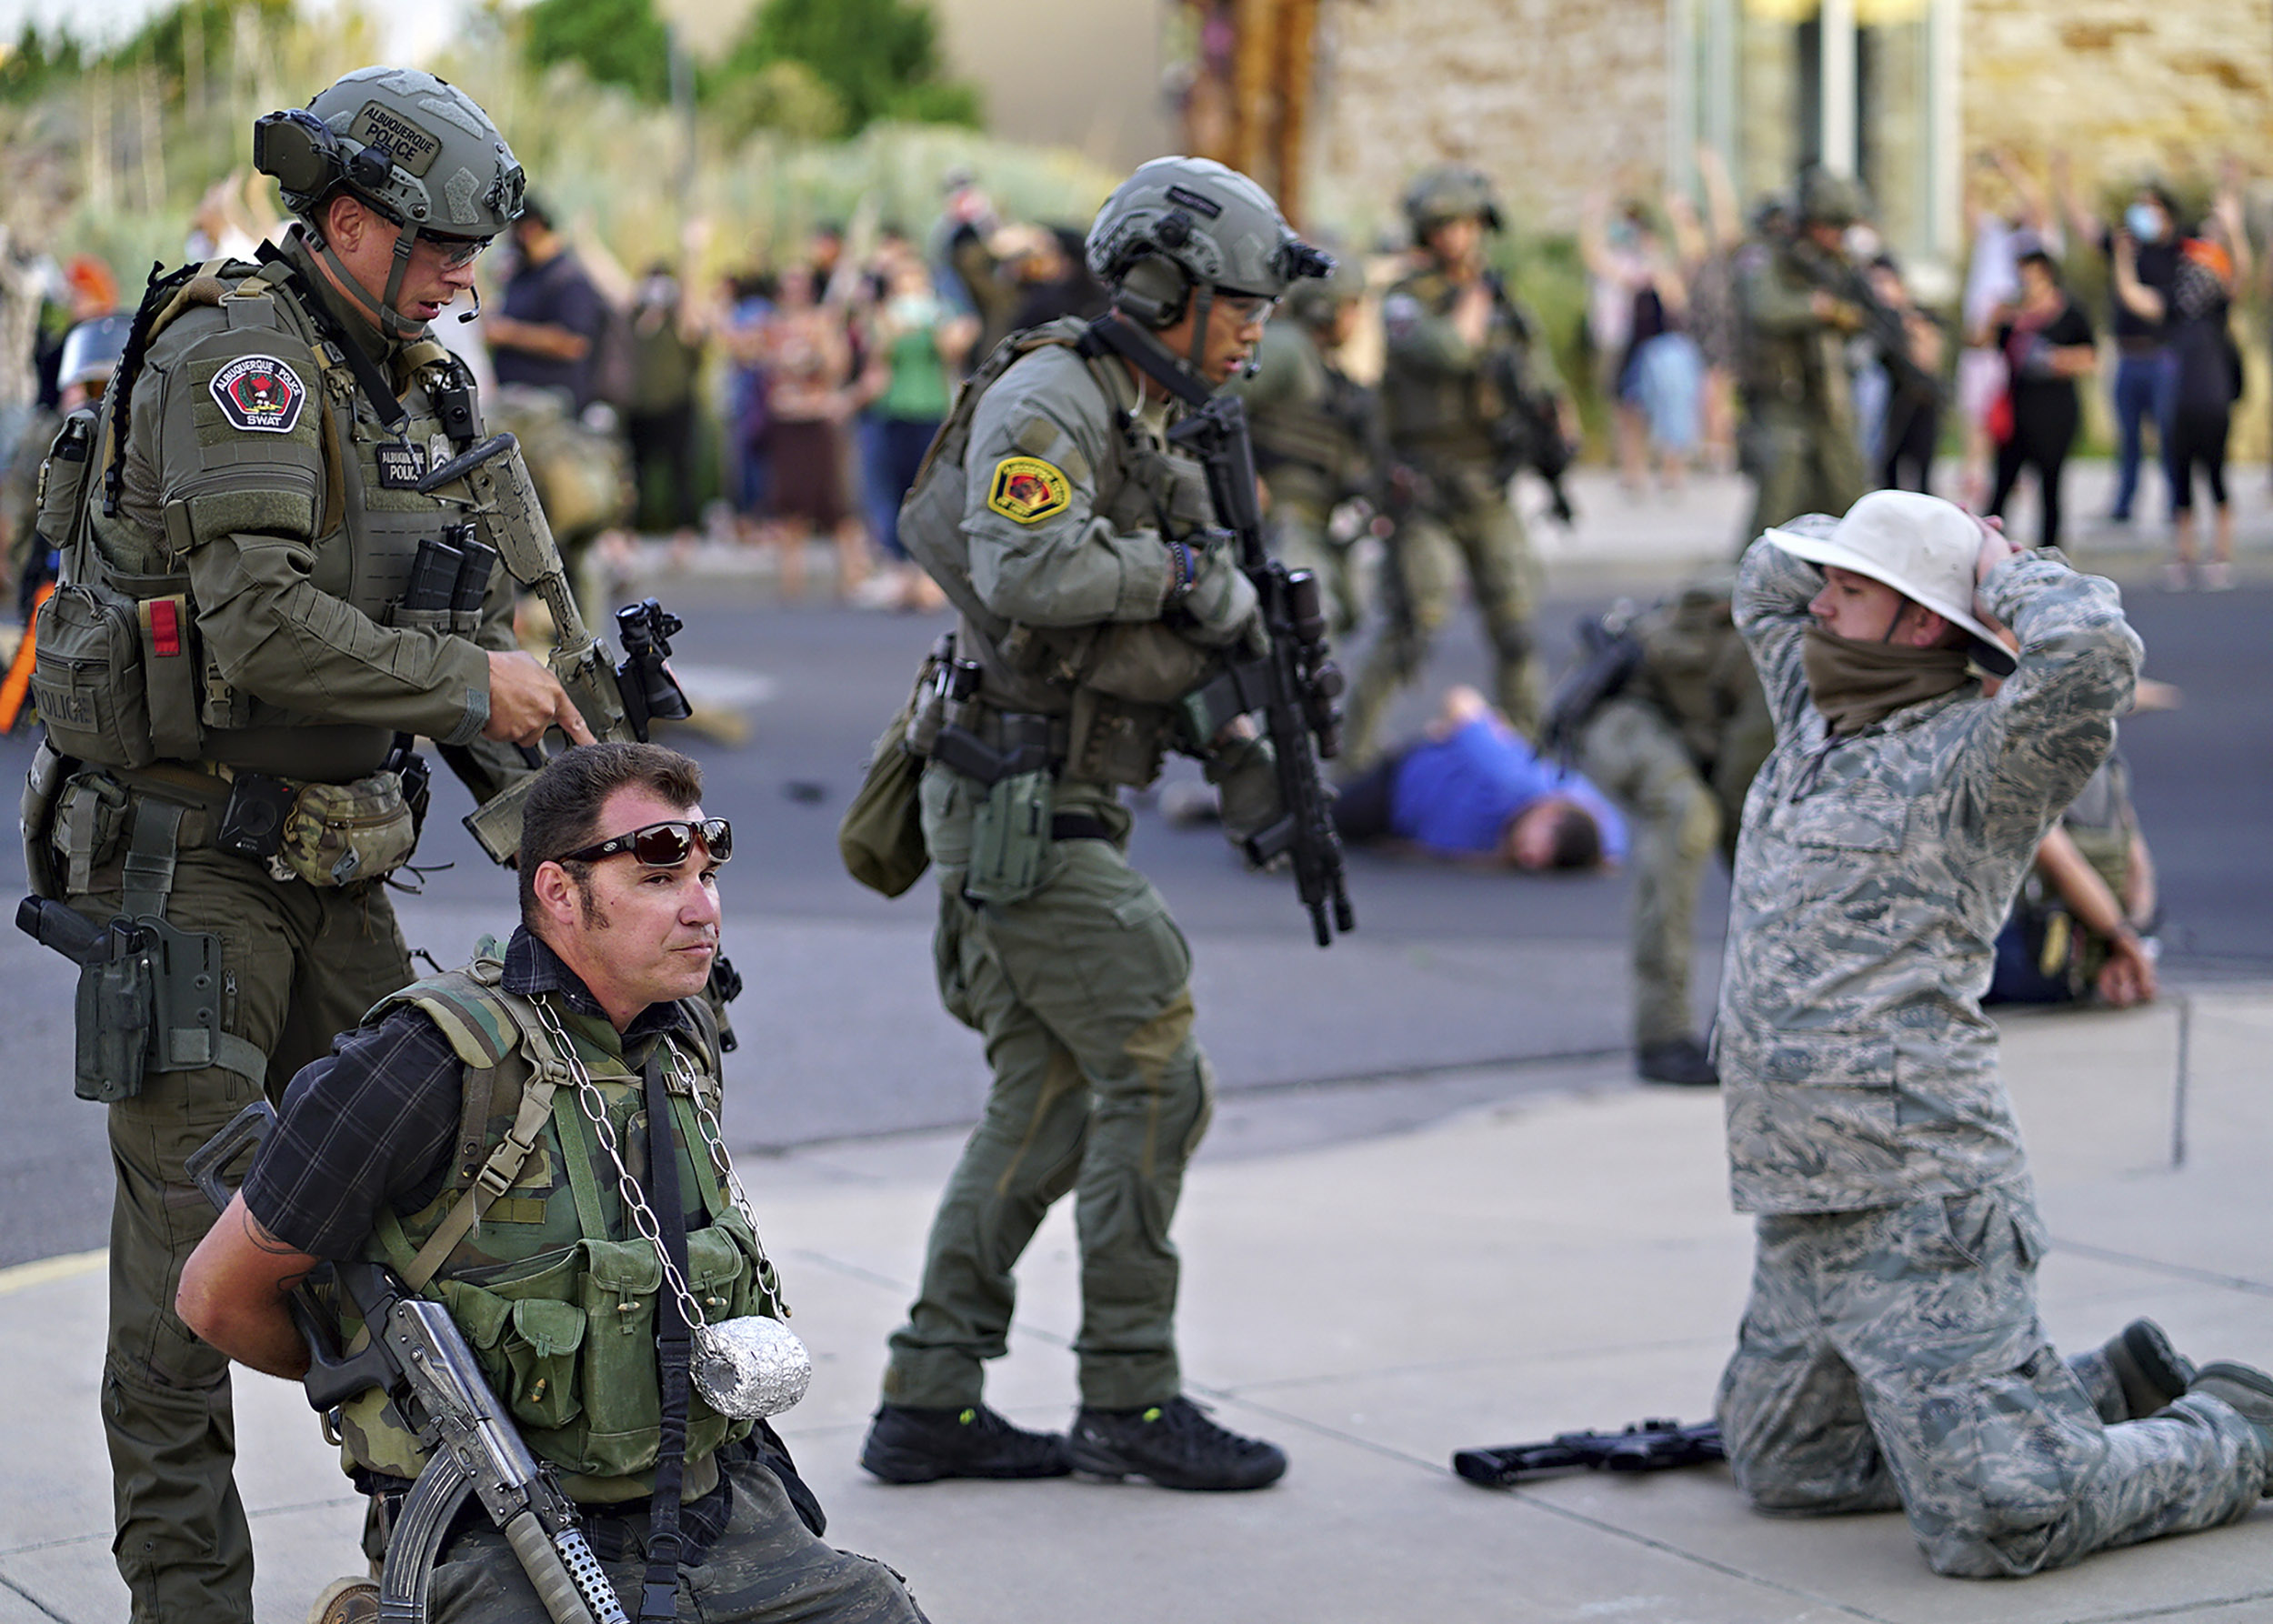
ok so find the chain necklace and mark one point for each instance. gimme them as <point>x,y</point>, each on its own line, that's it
<point>748,1367</point>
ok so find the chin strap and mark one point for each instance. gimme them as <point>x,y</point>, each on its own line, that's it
<point>1114,332</point>
<point>1196,356</point>
<point>382,311</point>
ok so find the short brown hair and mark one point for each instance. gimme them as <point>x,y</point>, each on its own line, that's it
<point>1577,838</point>
<point>562,813</point>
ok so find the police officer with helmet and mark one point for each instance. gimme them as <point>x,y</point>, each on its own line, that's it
<point>1316,431</point>
<point>230,681</point>
<point>1094,594</point>
<point>1799,441</point>
<point>1462,359</point>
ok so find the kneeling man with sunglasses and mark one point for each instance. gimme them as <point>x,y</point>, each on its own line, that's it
<point>504,1137</point>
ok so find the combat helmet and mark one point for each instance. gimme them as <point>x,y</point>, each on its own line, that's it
<point>413,148</point>
<point>92,351</point>
<point>1449,192</point>
<point>1180,228</point>
<point>1826,198</point>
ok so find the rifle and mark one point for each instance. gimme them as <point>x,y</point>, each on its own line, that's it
<point>1609,655</point>
<point>1529,430</point>
<point>1294,684</point>
<point>1882,324</point>
<point>418,1357</point>
<point>1651,1445</point>
<point>617,700</point>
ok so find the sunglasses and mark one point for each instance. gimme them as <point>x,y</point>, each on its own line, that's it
<point>663,845</point>
<point>456,250</point>
<point>1245,309</point>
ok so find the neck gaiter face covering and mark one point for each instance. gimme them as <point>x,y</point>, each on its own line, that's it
<point>1856,684</point>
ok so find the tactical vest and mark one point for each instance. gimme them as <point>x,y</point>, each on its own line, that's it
<point>1693,667</point>
<point>1446,415</point>
<point>121,677</point>
<point>1312,427</point>
<point>531,1248</point>
<point>1116,684</point>
<point>1786,368</point>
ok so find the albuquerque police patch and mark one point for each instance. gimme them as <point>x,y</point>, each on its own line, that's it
<point>1028,489</point>
<point>259,394</point>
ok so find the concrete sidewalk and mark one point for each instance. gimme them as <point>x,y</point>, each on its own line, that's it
<point>1373,1305</point>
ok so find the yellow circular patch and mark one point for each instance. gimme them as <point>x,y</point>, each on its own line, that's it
<point>1028,489</point>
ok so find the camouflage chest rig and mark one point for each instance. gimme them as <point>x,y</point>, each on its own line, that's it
<point>1108,692</point>
<point>529,1245</point>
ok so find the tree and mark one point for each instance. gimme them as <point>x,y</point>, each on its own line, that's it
<point>879,57</point>
<point>616,42</point>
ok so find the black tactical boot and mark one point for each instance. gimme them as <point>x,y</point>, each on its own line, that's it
<point>2251,1392</point>
<point>1174,1445</point>
<point>1680,1060</point>
<point>907,1445</point>
<point>2134,1373</point>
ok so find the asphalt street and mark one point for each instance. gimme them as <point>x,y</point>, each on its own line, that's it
<point>1449,968</point>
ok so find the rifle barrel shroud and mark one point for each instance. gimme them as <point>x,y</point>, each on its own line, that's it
<point>1293,687</point>
<point>418,1357</point>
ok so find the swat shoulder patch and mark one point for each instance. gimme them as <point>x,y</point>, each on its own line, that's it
<point>1028,489</point>
<point>259,394</point>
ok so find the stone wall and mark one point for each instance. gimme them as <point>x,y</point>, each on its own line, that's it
<point>2125,86</point>
<point>1548,97</point>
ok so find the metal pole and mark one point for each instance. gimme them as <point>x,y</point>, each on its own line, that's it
<point>2179,1087</point>
<point>1839,129</point>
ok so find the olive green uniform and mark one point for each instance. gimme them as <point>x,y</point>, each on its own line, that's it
<point>1677,747</point>
<point>284,544</point>
<point>1310,423</point>
<point>1077,978</point>
<point>1799,441</point>
<point>1441,403</point>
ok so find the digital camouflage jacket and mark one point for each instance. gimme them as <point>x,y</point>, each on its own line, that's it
<point>1872,876</point>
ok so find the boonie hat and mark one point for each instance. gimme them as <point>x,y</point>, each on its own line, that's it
<point>1922,547</point>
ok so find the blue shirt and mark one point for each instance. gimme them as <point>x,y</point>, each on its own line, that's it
<point>1455,795</point>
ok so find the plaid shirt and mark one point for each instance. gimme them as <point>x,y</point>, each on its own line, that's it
<point>375,1119</point>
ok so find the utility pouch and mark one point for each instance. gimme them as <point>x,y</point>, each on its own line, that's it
<point>1010,834</point>
<point>63,476</point>
<point>881,834</point>
<point>87,676</point>
<point>36,820</point>
<point>149,999</point>
<point>339,834</point>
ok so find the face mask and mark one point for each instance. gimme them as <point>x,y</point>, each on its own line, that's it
<point>1855,684</point>
<point>2143,222</point>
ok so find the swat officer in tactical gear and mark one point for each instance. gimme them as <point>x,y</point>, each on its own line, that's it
<point>1675,739</point>
<point>1461,357</point>
<point>1094,596</point>
<point>1891,1353</point>
<point>1315,431</point>
<point>597,1003</point>
<point>230,683</point>
<point>1799,441</point>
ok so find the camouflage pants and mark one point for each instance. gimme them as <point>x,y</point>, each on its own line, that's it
<point>1800,462</point>
<point>1893,1358</point>
<point>764,1567</point>
<point>1081,993</point>
<point>299,966</point>
<point>1470,523</point>
<point>1634,756</point>
<point>1300,536</point>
